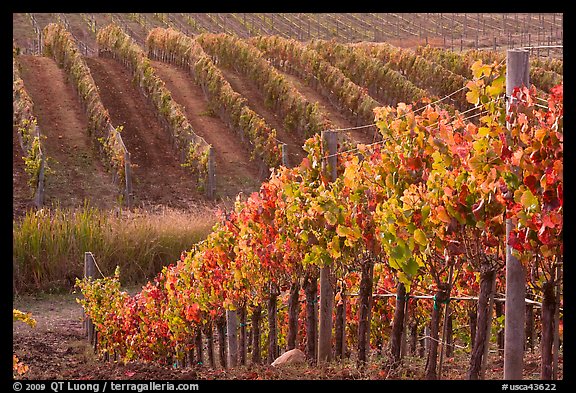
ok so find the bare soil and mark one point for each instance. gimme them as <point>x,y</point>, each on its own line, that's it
<point>58,349</point>
<point>23,31</point>
<point>159,178</point>
<point>235,172</point>
<point>78,172</point>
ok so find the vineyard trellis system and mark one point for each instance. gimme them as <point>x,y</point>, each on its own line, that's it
<point>430,206</point>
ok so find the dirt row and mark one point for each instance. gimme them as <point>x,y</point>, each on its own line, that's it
<point>78,171</point>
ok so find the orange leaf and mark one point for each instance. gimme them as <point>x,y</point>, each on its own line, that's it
<point>442,214</point>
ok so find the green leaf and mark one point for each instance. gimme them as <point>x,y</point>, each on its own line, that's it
<point>330,218</point>
<point>420,237</point>
<point>400,252</point>
<point>334,247</point>
<point>529,201</point>
<point>425,212</point>
<point>411,267</point>
<point>511,180</point>
<point>497,86</point>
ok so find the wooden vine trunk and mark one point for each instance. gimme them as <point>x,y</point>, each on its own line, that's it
<point>413,337</point>
<point>548,308</point>
<point>221,329</point>
<point>198,346</point>
<point>366,282</point>
<point>210,344</point>
<point>442,296</point>
<point>398,324</point>
<point>256,317</point>
<point>340,326</point>
<point>311,291</point>
<point>272,326</point>
<point>242,339</point>
<point>480,340</point>
<point>293,311</point>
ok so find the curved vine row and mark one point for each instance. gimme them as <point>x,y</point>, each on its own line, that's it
<point>114,41</point>
<point>173,46</point>
<point>420,71</point>
<point>329,80</point>
<point>382,82</point>
<point>543,74</point>
<point>28,132</point>
<point>60,45</point>
<point>300,116</point>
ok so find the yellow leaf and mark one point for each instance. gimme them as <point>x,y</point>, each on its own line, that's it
<point>540,134</point>
<point>442,214</point>
<point>420,237</point>
<point>473,97</point>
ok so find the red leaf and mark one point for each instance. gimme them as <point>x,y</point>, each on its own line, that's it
<point>531,183</point>
<point>544,235</point>
<point>551,201</point>
<point>463,195</point>
<point>414,163</point>
<point>130,373</point>
<point>505,153</point>
<point>515,241</point>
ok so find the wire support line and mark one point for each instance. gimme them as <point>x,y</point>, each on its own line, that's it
<point>352,128</point>
<point>442,342</point>
<point>541,47</point>
<point>450,119</point>
<point>97,267</point>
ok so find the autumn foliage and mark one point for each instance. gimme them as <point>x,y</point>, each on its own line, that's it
<point>436,190</point>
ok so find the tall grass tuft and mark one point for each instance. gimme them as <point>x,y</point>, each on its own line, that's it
<point>49,244</point>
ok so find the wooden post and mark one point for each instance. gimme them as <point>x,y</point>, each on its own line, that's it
<point>330,145</point>
<point>340,330</point>
<point>284,149</point>
<point>39,195</point>
<point>445,325</point>
<point>232,327</point>
<point>426,338</point>
<point>517,74</point>
<point>128,178</point>
<point>488,327</point>
<point>556,324</point>
<point>89,271</point>
<point>211,181</point>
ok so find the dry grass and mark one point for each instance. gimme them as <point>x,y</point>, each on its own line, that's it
<point>49,244</point>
